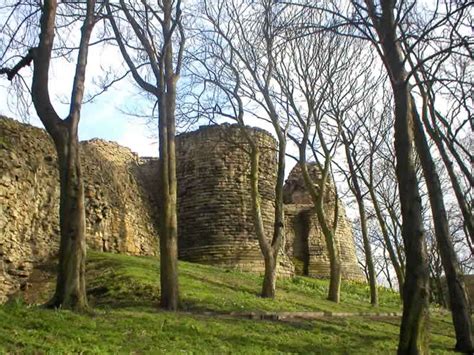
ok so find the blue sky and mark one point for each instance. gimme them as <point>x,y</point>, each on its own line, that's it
<point>104,117</point>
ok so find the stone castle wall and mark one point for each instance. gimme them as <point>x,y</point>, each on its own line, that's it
<point>214,207</point>
<point>214,203</point>
<point>122,204</point>
<point>119,214</point>
<point>305,242</point>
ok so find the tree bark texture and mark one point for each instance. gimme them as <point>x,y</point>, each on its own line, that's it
<point>355,187</point>
<point>166,126</point>
<point>334,293</point>
<point>70,286</point>
<point>413,331</point>
<point>459,302</point>
<point>269,253</point>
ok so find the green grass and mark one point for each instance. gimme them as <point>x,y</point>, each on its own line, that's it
<point>124,293</point>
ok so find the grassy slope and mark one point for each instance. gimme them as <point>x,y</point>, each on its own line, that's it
<point>124,293</point>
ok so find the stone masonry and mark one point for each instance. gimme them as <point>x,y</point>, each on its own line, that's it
<point>214,207</point>
<point>305,242</point>
<point>122,204</point>
<point>119,215</point>
<point>214,203</point>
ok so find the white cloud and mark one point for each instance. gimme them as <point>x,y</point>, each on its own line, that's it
<point>138,138</point>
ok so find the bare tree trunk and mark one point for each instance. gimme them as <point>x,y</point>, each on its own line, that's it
<point>439,287</point>
<point>436,287</point>
<point>169,225</point>
<point>334,293</point>
<point>413,332</point>
<point>355,187</point>
<point>467,215</point>
<point>434,135</point>
<point>168,221</point>
<point>395,260</point>
<point>70,284</point>
<point>368,253</point>
<point>269,254</point>
<point>388,243</point>
<point>270,274</point>
<point>387,272</point>
<point>269,278</point>
<point>460,308</point>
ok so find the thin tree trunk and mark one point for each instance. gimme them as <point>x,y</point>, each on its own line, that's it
<point>395,260</point>
<point>460,309</point>
<point>334,293</point>
<point>436,286</point>
<point>166,126</point>
<point>465,169</point>
<point>438,138</point>
<point>388,243</point>
<point>278,229</point>
<point>368,253</point>
<point>355,187</point>
<point>70,284</point>
<point>441,297</point>
<point>387,272</point>
<point>269,254</point>
<point>466,213</point>
<point>271,259</point>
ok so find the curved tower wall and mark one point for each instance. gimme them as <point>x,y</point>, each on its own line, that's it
<point>305,242</point>
<point>214,201</point>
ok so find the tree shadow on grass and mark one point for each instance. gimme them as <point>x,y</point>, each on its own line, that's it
<point>235,287</point>
<point>321,338</point>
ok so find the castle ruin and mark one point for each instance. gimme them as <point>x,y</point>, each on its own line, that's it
<point>122,205</point>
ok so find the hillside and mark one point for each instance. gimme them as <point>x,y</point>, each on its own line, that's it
<point>216,307</point>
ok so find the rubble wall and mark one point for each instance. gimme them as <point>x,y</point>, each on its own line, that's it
<point>120,216</point>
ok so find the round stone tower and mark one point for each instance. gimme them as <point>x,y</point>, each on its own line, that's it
<point>305,242</point>
<point>214,202</point>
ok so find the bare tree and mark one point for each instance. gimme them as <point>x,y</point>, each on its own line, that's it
<point>245,39</point>
<point>321,81</point>
<point>390,31</point>
<point>146,33</point>
<point>378,21</point>
<point>348,140</point>
<point>388,24</point>
<point>376,170</point>
<point>70,286</point>
<point>459,303</point>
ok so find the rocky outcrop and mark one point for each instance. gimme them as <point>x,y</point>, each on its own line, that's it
<point>120,216</point>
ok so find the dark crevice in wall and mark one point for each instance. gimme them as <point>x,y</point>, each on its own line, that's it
<point>302,225</point>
